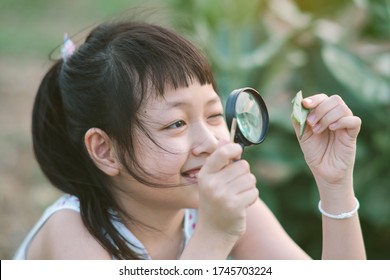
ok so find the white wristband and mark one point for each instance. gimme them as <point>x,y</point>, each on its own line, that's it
<point>341,216</point>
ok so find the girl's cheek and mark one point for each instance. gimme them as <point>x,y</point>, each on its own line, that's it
<point>176,145</point>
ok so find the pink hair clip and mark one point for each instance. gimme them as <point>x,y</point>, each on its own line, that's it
<point>67,48</point>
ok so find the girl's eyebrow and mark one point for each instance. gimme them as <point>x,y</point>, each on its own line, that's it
<point>180,104</point>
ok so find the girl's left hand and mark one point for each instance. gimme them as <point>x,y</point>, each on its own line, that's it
<point>329,141</point>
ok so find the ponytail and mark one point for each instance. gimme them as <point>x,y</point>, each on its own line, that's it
<point>68,167</point>
<point>48,127</point>
<point>60,159</point>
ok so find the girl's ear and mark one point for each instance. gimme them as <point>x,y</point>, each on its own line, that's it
<point>102,151</point>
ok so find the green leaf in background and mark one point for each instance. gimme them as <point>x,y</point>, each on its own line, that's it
<point>355,75</point>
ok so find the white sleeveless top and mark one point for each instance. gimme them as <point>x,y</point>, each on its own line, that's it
<point>73,203</point>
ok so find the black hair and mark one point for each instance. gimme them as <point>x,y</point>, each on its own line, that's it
<point>102,85</point>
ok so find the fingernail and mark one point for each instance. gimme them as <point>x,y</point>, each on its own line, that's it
<point>333,126</point>
<point>317,128</point>
<point>311,118</point>
<point>308,100</point>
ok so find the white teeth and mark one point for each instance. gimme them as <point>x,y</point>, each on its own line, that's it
<point>193,175</point>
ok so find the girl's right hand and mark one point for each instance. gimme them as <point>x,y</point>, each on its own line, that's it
<point>226,189</point>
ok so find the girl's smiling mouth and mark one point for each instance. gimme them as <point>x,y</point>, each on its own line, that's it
<point>191,175</point>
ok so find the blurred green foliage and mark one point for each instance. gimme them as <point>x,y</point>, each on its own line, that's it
<point>278,47</point>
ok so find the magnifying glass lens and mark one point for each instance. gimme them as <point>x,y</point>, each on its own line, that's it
<point>249,117</point>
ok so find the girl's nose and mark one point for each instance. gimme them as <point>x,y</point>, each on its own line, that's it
<point>205,140</point>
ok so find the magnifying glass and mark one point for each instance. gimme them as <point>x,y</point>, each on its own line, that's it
<point>247,116</point>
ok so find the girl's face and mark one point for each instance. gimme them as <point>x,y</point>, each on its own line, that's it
<point>186,124</point>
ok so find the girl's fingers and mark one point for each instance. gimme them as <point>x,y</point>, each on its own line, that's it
<point>222,157</point>
<point>330,117</point>
<point>325,111</point>
<point>248,197</point>
<point>313,101</point>
<point>323,107</point>
<point>235,169</point>
<point>351,123</point>
<point>231,181</point>
<point>244,183</point>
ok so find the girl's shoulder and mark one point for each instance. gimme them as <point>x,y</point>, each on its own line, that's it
<point>61,234</point>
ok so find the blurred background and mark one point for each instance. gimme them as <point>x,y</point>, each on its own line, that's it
<point>278,47</point>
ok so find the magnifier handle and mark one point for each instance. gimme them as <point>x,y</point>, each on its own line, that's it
<point>233,129</point>
<point>233,133</point>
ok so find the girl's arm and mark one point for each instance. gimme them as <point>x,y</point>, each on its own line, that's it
<point>265,238</point>
<point>329,147</point>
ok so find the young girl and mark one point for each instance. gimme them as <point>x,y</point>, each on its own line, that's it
<point>131,128</point>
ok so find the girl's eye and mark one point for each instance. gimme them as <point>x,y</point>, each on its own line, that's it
<point>177,124</point>
<point>216,118</point>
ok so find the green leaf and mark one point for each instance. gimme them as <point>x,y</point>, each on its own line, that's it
<point>355,75</point>
<point>299,113</point>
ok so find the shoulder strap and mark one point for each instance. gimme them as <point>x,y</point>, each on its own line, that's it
<point>65,202</point>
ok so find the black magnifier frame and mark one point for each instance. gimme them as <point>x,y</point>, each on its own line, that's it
<point>231,113</point>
